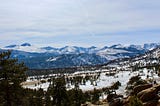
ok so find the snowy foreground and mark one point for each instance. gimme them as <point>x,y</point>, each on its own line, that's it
<point>102,81</point>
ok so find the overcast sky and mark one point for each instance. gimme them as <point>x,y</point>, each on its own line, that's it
<point>79,22</point>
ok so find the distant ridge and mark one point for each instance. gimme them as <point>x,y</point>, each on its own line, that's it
<point>72,56</point>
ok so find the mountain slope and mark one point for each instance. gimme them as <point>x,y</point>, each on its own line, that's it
<point>69,56</point>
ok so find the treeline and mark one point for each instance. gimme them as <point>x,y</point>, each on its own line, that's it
<point>33,72</point>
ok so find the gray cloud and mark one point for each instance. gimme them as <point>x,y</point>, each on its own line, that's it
<point>48,18</point>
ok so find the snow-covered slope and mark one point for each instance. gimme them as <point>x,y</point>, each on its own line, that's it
<point>151,46</point>
<point>68,56</point>
<point>27,47</point>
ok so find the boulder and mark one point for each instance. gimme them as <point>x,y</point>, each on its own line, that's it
<point>139,88</point>
<point>147,94</point>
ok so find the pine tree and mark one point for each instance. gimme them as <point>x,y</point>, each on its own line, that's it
<point>58,92</point>
<point>47,99</point>
<point>96,96</point>
<point>12,74</point>
<point>77,96</point>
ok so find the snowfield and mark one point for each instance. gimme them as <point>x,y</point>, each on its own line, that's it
<point>103,80</point>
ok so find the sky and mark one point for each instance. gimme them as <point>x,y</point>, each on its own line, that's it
<point>79,22</point>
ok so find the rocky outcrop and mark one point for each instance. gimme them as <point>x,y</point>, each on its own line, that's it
<point>139,88</point>
<point>147,94</point>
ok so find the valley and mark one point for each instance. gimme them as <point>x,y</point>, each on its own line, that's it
<point>104,78</point>
<point>98,82</point>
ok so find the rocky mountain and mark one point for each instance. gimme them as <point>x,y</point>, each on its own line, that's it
<point>150,46</point>
<point>69,56</point>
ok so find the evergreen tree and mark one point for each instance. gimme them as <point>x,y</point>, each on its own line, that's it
<point>58,92</point>
<point>48,99</point>
<point>12,74</point>
<point>76,96</point>
<point>96,96</point>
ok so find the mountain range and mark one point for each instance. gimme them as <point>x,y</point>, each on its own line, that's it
<point>70,56</point>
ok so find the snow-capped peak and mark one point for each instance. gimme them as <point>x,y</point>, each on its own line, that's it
<point>151,46</point>
<point>138,47</point>
<point>117,46</point>
<point>68,49</point>
<point>26,44</point>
